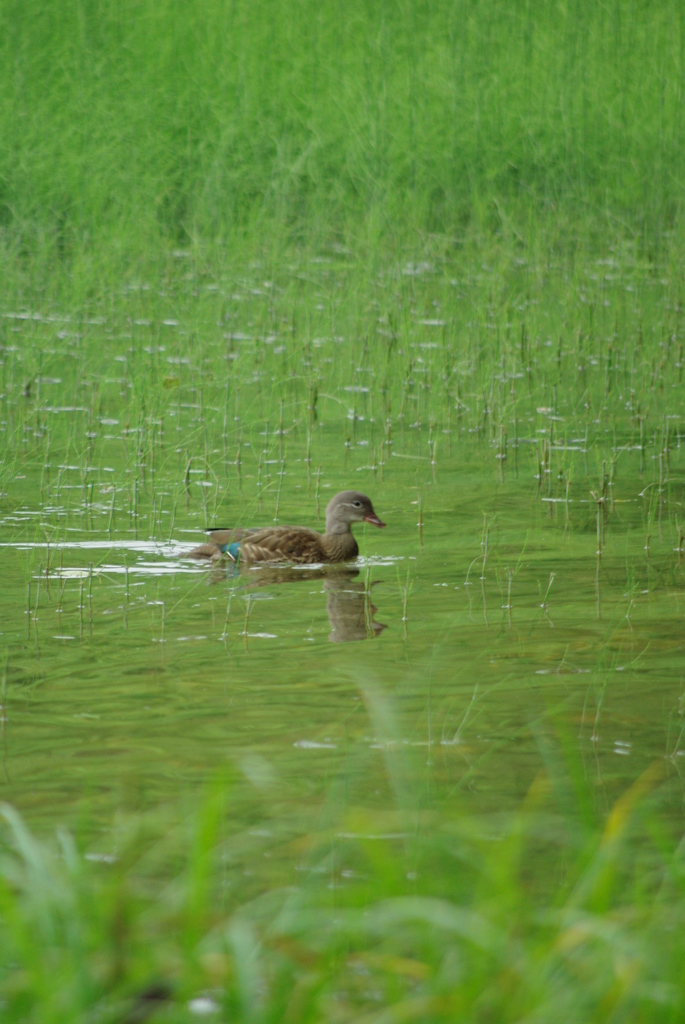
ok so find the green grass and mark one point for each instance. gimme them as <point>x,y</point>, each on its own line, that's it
<point>549,910</point>
<point>129,129</point>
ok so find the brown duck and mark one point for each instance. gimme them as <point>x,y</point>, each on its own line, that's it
<point>296,544</point>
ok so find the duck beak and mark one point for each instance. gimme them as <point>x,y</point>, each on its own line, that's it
<point>373,518</point>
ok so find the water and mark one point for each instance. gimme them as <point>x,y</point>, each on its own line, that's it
<point>132,676</point>
<point>526,598</point>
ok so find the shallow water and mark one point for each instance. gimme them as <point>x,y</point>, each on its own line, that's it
<point>526,597</point>
<point>132,675</point>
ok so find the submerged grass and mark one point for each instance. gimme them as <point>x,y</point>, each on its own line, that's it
<point>218,385</point>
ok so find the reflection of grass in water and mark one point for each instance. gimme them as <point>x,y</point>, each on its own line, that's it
<point>550,910</point>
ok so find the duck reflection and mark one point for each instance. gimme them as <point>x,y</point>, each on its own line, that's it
<point>351,612</point>
<point>350,609</point>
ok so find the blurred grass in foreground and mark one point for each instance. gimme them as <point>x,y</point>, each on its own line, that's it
<point>550,911</point>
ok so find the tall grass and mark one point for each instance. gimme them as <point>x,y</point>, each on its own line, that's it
<point>131,125</point>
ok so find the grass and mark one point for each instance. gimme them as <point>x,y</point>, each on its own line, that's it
<point>133,129</point>
<point>548,909</point>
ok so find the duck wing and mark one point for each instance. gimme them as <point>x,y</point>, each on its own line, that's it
<point>283,544</point>
<point>220,541</point>
<point>222,538</point>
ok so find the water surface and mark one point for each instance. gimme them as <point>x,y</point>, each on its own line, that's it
<point>527,595</point>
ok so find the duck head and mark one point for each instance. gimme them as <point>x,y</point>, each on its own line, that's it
<point>349,507</point>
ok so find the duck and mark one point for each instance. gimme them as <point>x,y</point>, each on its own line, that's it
<point>296,544</point>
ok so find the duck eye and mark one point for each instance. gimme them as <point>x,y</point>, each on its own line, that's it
<point>357,504</point>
